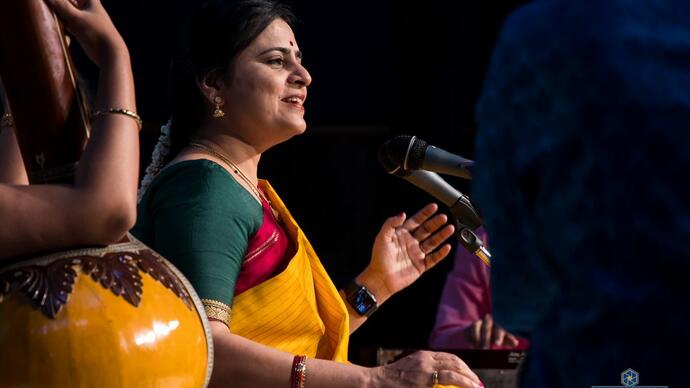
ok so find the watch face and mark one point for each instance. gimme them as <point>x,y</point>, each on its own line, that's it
<point>361,301</point>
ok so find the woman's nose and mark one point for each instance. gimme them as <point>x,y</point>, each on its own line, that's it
<point>300,76</point>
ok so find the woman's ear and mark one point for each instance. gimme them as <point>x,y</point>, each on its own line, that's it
<point>210,85</point>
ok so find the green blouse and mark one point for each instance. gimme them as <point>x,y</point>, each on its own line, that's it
<point>198,216</point>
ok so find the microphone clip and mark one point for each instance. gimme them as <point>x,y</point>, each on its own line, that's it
<point>472,243</point>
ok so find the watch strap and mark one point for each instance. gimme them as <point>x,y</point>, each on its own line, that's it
<point>355,292</point>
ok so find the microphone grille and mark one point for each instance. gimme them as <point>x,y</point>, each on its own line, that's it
<point>387,160</point>
<point>402,153</point>
<point>393,154</point>
<point>415,156</point>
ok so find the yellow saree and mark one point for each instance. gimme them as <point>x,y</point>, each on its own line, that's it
<point>299,310</point>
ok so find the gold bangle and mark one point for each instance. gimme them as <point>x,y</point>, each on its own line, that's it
<point>6,121</point>
<point>120,111</point>
<point>217,310</point>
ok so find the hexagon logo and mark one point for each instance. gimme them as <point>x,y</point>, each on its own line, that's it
<point>630,378</point>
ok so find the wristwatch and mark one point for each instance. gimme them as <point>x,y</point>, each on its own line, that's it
<point>360,298</point>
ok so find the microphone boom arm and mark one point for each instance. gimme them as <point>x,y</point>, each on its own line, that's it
<point>465,216</point>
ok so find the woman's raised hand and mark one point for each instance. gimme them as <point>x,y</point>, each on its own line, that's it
<point>90,24</point>
<point>425,369</point>
<point>405,248</point>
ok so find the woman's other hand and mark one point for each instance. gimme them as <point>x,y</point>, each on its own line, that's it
<point>91,26</point>
<point>417,370</point>
<point>485,334</point>
<point>404,249</point>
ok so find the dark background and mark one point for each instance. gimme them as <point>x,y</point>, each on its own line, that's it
<point>380,68</point>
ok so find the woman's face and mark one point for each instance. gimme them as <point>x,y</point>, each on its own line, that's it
<point>267,88</point>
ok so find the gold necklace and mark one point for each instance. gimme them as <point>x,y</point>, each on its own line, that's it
<point>255,190</point>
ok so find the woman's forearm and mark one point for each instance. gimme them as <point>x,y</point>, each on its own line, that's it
<point>240,362</point>
<point>12,169</point>
<point>101,206</point>
<point>109,167</point>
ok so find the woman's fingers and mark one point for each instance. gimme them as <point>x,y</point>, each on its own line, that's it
<point>420,217</point>
<point>450,362</point>
<point>487,329</point>
<point>436,239</point>
<point>474,333</point>
<point>388,228</point>
<point>436,257</point>
<point>447,377</point>
<point>90,24</point>
<point>511,340</point>
<point>424,368</point>
<point>499,335</point>
<point>66,9</point>
<point>430,226</point>
<point>454,371</point>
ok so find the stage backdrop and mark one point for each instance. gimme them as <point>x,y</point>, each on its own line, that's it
<point>380,68</point>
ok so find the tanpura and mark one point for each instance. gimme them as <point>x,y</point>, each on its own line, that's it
<point>113,316</point>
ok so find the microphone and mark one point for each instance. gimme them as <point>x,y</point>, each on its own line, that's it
<point>459,204</point>
<point>465,216</point>
<point>413,153</point>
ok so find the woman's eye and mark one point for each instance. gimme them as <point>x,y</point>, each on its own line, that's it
<point>276,62</point>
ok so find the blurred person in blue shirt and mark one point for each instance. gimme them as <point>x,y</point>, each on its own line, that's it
<point>583,153</point>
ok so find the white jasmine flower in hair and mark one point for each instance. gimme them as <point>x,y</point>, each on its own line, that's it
<point>160,151</point>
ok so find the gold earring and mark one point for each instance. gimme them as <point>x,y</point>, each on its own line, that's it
<point>217,112</point>
<point>6,121</point>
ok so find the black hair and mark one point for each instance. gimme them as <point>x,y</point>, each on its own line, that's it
<point>215,34</point>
